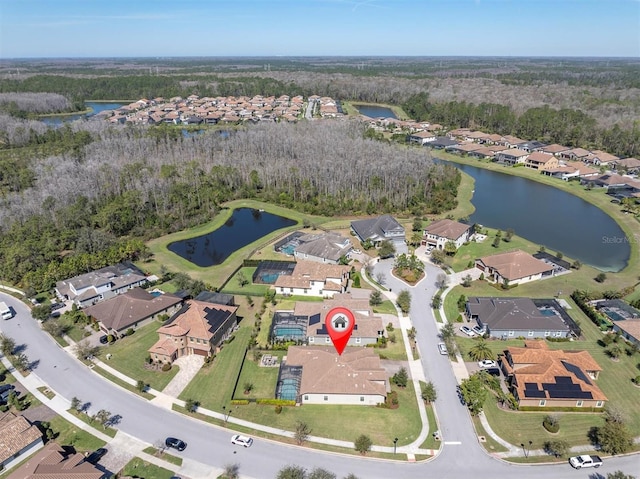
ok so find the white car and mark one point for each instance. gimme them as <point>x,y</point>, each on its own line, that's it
<point>442,348</point>
<point>487,363</point>
<point>468,331</point>
<point>240,440</point>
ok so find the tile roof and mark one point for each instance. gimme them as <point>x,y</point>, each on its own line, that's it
<point>447,228</point>
<point>16,433</point>
<point>306,271</point>
<point>630,326</point>
<point>52,462</point>
<point>539,157</point>
<point>199,319</point>
<point>516,264</point>
<point>356,371</point>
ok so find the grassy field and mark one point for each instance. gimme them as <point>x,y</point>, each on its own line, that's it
<point>145,470</point>
<point>128,355</point>
<point>263,379</point>
<point>69,434</point>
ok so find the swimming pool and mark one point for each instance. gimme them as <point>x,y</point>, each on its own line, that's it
<point>613,316</point>
<point>288,249</point>
<point>547,312</point>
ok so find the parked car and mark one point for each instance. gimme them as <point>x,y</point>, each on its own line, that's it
<point>478,330</point>
<point>104,339</point>
<point>578,462</point>
<point>5,391</point>
<point>493,371</point>
<point>468,331</point>
<point>442,348</point>
<point>487,363</point>
<point>95,456</point>
<point>175,443</point>
<point>240,440</point>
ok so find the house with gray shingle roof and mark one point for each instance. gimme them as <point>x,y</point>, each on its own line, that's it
<point>379,229</point>
<point>323,248</point>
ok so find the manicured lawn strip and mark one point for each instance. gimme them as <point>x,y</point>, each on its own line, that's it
<point>430,442</point>
<point>520,427</point>
<point>128,355</point>
<point>121,383</point>
<point>251,289</point>
<point>136,467</point>
<point>465,194</point>
<point>164,456</point>
<point>109,431</point>
<point>403,423</point>
<point>48,393</point>
<point>263,379</point>
<point>212,387</point>
<point>542,459</point>
<point>490,444</point>
<point>394,351</point>
<point>387,307</point>
<point>74,331</point>
<point>68,434</point>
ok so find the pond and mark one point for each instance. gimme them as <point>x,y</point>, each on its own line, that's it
<point>245,226</point>
<point>373,111</point>
<point>548,216</point>
<point>96,107</point>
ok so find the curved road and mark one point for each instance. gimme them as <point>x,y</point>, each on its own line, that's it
<point>210,445</point>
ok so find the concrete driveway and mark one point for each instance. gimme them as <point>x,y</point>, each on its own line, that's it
<point>189,367</point>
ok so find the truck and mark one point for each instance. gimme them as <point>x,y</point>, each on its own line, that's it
<point>578,462</point>
<point>5,311</point>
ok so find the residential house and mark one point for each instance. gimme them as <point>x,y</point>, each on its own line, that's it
<point>576,154</point>
<point>324,377</point>
<point>442,142</point>
<point>516,267</point>
<point>541,161</point>
<point>628,165</point>
<point>608,180</point>
<point>493,139</point>
<point>422,137</point>
<point>510,141</point>
<point>379,229</point>
<point>314,279</point>
<point>517,317</point>
<point>54,462</point>
<point>18,439</point>
<point>132,309</point>
<point>512,156</point>
<point>198,328</point>
<point>531,146</point>
<point>463,148</point>
<point>602,158</point>
<point>483,153</point>
<point>323,248</point>
<point>540,377</point>
<point>476,136</point>
<point>554,149</point>
<point>571,169</point>
<point>629,329</point>
<point>104,283</point>
<point>440,232</point>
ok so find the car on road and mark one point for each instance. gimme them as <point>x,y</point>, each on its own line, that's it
<point>487,363</point>
<point>95,456</point>
<point>175,443</point>
<point>578,462</point>
<point>468,331</point>
<point>240,440</point>
<point>442,348</point>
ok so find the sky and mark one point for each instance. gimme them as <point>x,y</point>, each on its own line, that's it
<point>176,28</point>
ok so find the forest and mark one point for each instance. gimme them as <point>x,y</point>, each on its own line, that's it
<point>109,185</point>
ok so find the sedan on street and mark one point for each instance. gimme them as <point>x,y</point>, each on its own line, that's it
<point>240,440</point>
<point>175,443</point>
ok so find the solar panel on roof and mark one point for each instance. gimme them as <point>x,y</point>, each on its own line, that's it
<point>314,319</point>
<point>579,373</point>
<point>531,391</point>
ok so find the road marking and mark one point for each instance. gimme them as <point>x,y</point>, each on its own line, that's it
<point>452,443</point>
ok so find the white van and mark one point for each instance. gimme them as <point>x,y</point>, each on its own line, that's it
<point>5,311</point>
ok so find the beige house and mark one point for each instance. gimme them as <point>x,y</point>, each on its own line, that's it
<point>132,309</point>
<point>18,439</point>
<point>541,161</point>
<point>440,232</point>
<point>540,377</point>
<point>314,279</point>
<point>356,377</point>
<point>53,462</point>
<point>516,267</point>
<point>512,156</point>
<point>198,328</point>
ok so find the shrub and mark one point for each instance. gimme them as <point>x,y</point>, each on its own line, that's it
<point>239,402</point>
<point>129,331</point>
<point>636,380</point>
<point>166,367</point>
<point>276,402</point>
<point>551,423</point>
<point>278,409</point>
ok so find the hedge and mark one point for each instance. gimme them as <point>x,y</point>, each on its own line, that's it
<point>239,402</point>
<point>276,402</point>
<point>560,409</point>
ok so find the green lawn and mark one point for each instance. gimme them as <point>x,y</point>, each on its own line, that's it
<point>145,470</point>
<point>380,424</point>
<point>430,442</point>
<point>212,387</point>
<point>68,434</point>
<point>128,355</point>
<point>233,287</point>
<point>387,307</point>
<point>263,379</point>
<point>165,456</point>
<point>394,351</point>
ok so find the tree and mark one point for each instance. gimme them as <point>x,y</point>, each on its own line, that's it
<point>381,278</point>
<point>557,448</point>
<point>102,416</point>
<point>141,386</point>
<point>436,301</point>
<point>614,436</point>
<point>85,350</point>
<point>7,345</point>
<point>55,328</point>
<point>448,331</point>
<point>462,302</point>
<point>320,473</point>
<point>496,242</point>
<point>404,301</point>
<point>577,264</point>
<point>615,351</point>
<point>191,405</point>
<point>386,249</point>
<point>363,444</point>
<point>231,471</point>
<point>247,387</point>
<point>302,432</point>
<point>601,278</point>
<point>401,378</point>
<point>411,333</point>
<point>75,403</point>
<point>42,312</point>
<point>450,248</point>
<point>466,281</point>
<point>416,238</point>
<point>619,475</point>
<point>292,472</point>
<point>438,256</point>
<point>21,362</point>
<point>481,350</point>
<point>417,225</point>
<point>242,279</point>
<point>474,393</point>
<point>509,235</point>
<point>375,299</point>
<point>428,392</point>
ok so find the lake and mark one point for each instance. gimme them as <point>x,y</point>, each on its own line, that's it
<point>373,111</point>
<point>245,226</point>
<point>548,216</point>
<point>95,106</point>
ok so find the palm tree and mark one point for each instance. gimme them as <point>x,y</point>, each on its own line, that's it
<point>481,350</point>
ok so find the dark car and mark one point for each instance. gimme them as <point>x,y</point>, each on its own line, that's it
<point>104,339</point>
<point>492,371</point>
<point>5,391</point>
<point>175,443</point>
<point>94,457</point>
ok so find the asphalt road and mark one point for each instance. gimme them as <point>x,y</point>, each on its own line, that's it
<point>210,445</point>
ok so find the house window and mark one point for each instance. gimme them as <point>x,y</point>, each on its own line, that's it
<point>305,291</point>
<point>291,290</point>
<point>558,334</point>
<point>542,403</point>
<point>511,333</point>
<point>358,340</point>
<point>547,333</point>
<point>327,340</point>
<point>361,398</point>
<point>326,398</point>
<point>599,403</point>
<point>310,339</point>
<point>306,397</point>
<point>578,403</point>
<point>530,333</point>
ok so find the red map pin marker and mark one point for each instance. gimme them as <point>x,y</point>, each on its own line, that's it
<point>339,323</point>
